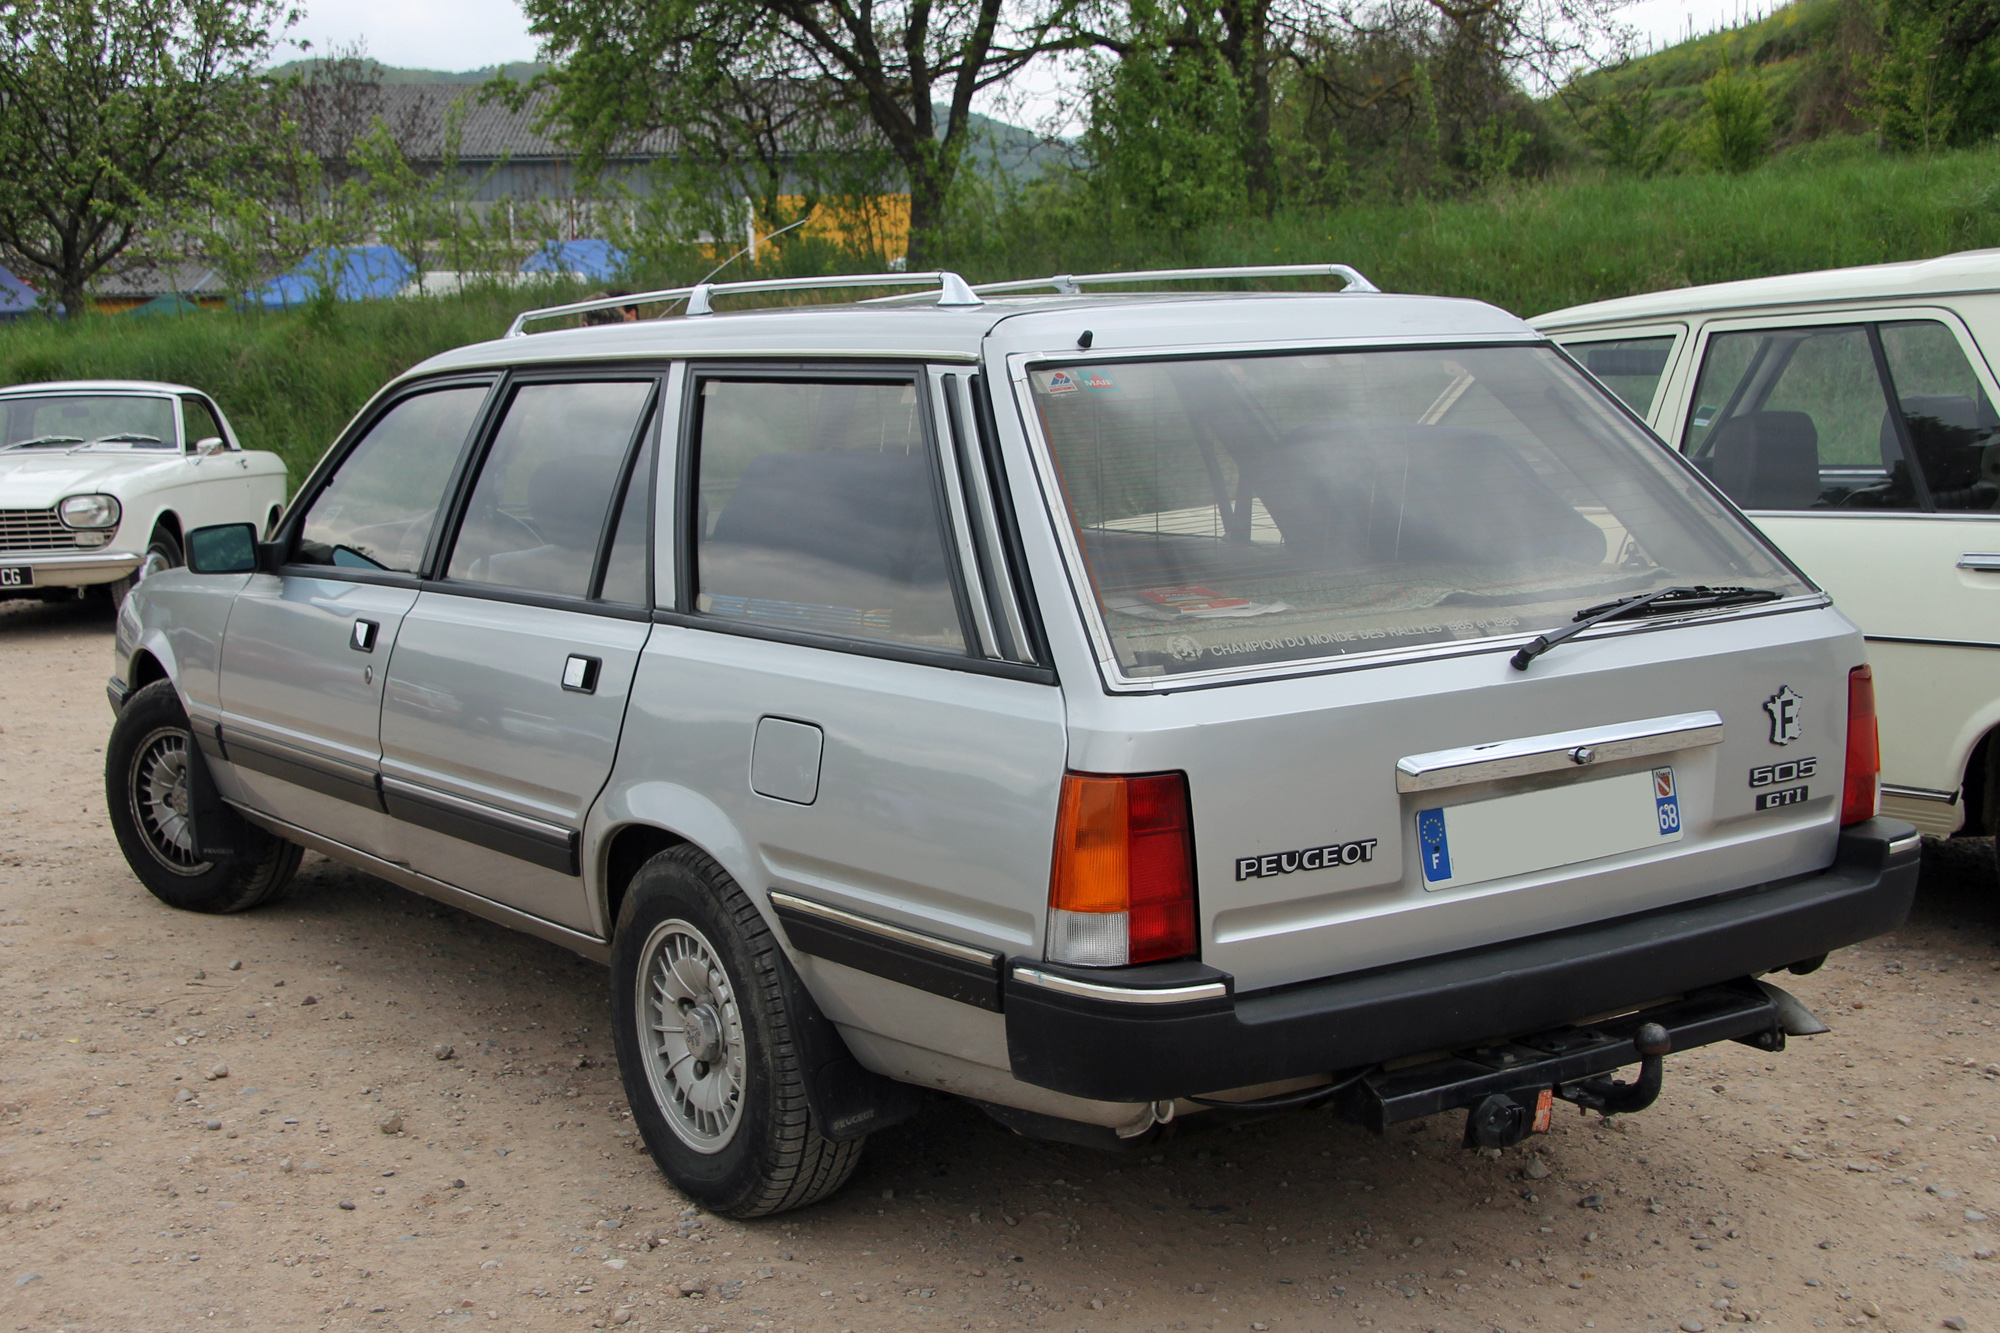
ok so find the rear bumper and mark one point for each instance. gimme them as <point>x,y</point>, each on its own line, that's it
<point>1115,1035</point>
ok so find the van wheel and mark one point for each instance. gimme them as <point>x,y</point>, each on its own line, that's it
<point>705,1045</point>
<point>146,794</point>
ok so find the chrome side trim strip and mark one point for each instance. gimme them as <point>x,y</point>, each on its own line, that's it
<point>591,947</point>
<point>1557,751</point>
<point>1207,990</point>
<point>1920,793</point>
<point>917,939</point>
<point>1902,845</point>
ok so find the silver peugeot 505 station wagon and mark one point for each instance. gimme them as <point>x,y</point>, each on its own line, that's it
<point>1103,708</point>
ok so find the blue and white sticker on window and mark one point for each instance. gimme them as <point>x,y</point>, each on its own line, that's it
<point>1059,381</point>
<point>1666,802</point>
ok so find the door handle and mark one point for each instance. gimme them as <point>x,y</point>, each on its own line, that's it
<point>362,638</point>
<point>580,674</point>
<point>1980,562</point>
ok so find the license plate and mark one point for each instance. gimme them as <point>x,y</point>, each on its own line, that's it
<point>1541,830</point>
<point>17,576</point>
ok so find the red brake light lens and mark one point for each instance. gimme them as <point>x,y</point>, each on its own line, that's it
<point>1122,887</point>
<point>1861,796</point>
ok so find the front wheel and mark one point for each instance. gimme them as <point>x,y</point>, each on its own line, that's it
<point>148,796</point>
<point>706,1045</point>
<point>162,553</point>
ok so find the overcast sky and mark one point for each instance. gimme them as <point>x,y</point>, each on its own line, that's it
<point>472,34</point>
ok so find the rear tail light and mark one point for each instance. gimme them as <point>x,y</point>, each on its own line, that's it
<point>1861,798</point>
<point>1122,890</point>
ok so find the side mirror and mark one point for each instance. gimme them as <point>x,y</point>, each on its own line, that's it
<point>224,548</point>
<point>212,445</point>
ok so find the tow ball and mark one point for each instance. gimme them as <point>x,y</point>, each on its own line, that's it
<point>1503,1119</point>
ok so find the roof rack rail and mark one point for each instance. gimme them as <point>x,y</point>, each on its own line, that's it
<point>952,291</point>
<point>1071,283</point>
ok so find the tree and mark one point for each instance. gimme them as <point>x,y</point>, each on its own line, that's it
<point>1737,132</point>
<point>907,71</point>
<point>115,115</point>
<point>1938,84</point>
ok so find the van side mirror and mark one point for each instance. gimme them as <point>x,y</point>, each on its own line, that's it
<point>223,548</point>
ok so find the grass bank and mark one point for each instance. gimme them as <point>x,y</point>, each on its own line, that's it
<point>290,381</point>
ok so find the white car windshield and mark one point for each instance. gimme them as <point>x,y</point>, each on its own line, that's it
<point>1267,509</point>
<point>55,421</point>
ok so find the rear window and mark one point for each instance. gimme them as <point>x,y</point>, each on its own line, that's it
<point>1255,510</point>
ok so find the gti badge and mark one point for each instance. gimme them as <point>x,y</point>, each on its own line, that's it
<point>1783,707</point>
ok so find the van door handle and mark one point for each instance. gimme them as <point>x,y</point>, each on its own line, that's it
<point>1980,562</point>
<point>580,674</point>
<point>362,638</point>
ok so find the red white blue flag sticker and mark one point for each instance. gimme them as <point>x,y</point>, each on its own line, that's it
<point>1667,802</point>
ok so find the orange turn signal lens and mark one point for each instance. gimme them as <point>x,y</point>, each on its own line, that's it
<point>1122,886</point>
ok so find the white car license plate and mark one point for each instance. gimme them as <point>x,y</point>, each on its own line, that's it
<point>17,576</point>
<point>1540,830</point>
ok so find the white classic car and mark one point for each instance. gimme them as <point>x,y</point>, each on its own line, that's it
<point>99,479</point>
<point>1850,412</point>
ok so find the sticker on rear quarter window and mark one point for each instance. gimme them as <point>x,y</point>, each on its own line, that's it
<point>1433,846</point>
<point>1097,383</point>
<point>1666,799</point>
<point>1059,381</point>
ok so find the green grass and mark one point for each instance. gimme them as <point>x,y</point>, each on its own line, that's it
<point>287,381</point>
<point>290,381</point>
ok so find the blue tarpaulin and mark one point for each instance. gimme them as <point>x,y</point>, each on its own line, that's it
<point>358,273</point>
<point>594,261</point>
<point>17,298</point>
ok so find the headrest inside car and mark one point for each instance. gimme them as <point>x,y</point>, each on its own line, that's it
<point>1767,460</point>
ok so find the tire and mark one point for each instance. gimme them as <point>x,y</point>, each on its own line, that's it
<point>163,552</point>
<point>732,1132</point>
<point>146,794</point>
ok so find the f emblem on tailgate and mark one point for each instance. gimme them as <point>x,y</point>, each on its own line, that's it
<point>1783,707</point>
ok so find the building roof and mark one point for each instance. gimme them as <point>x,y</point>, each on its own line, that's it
<point>1966,271</point>
<point>418,114</point>
<point>159,280</point>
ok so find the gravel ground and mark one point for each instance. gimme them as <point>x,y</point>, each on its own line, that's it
<point>360,1110</point>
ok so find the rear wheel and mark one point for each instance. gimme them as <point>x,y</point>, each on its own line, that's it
<point>706,1048</point>
<point>147,794</point>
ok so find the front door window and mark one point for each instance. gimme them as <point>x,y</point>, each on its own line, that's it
<point>378,508</point>
<point>1802,418</point>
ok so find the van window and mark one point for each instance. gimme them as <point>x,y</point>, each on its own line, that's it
<point>1629,367</point>
<point>1951,422</point>
<point>1236,512</point>
<point>818,511</point>
<point>1801,418</point>
<point>377,510</point>
<point>545,488</point>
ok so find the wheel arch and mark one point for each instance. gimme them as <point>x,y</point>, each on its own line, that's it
<point>1980,791</point>
<point>144,670</point>
<point>171,522</point>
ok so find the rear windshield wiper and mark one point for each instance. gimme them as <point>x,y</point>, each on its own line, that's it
<point>41,440</point>
<point>1664,601</point>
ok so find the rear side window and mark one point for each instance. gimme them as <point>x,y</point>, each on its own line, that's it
<point>545,492</point>
<point>1856,416</point>
<point>378,509</point>
<point>817,510</point>
<point>1629,367</point>
<point>1237,512</point>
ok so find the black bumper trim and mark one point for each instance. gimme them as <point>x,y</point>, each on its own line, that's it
<point>548,846</point>
<point>1109,1051</point>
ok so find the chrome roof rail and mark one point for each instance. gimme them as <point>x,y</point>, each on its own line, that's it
<point>1069,284</point>
<point>952,292</point>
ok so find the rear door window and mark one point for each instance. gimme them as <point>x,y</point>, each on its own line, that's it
<point>1855,416</point>
<point>538,512</point>
<point>1629,367</point>
<point>817,511</point>
<point>378,508</point>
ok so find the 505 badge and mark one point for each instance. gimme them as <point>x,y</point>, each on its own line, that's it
<point>1792,770</point>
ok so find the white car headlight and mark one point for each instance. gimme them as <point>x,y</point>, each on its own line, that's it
<point>89,511</point>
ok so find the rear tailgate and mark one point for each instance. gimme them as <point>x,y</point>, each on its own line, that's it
<point>1311,855</point>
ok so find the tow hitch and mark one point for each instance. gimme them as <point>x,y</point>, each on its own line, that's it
<point>1510,1089</point>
